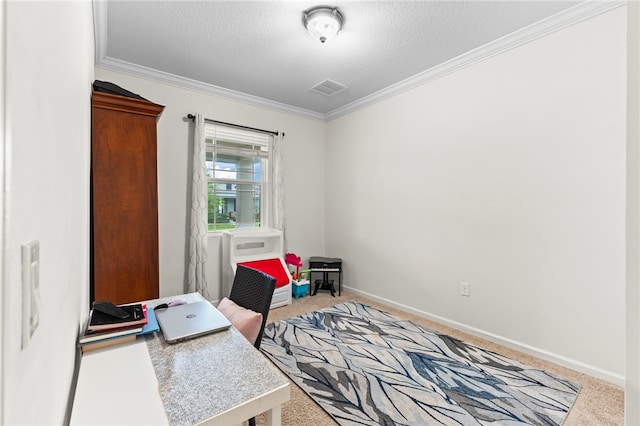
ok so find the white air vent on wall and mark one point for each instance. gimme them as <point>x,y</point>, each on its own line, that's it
<point>328,87</point>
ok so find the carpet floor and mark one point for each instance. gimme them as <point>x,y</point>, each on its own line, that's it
<point>598,403</point>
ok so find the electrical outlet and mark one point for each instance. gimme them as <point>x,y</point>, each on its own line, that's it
<point>30,290</point>
<point>465,289</point>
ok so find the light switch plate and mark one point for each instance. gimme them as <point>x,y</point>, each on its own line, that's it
<point>30,290</point>
<point>465,289</point>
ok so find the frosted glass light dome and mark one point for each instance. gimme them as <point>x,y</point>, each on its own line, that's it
<point>323,23</point>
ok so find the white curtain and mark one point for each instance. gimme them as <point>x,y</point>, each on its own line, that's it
<point>278,186</point>
<point>199,227</point>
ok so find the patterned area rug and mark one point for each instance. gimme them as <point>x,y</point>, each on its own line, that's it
<point>365,366</point>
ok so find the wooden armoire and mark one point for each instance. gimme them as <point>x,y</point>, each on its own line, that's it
<point>124,199</point>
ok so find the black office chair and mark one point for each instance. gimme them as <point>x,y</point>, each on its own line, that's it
<point>253,289</point>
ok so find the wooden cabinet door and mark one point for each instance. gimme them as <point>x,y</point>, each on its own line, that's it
<point>124,199</point>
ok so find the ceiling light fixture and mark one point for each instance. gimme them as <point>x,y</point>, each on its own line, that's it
<point>323,22</point>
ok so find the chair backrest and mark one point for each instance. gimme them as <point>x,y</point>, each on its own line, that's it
<point>253,289</point>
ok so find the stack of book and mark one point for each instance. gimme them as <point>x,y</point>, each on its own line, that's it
<point>109,324</point>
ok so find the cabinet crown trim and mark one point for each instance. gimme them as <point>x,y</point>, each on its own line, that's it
<point>124,104</point>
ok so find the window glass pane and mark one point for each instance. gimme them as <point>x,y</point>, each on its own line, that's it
<point>247,205</point>
<point>217,218</point>
<point>234,206</point>
<point>236,167</point>
<point>209,164</point>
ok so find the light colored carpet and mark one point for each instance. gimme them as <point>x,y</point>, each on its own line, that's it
<point>599,403</point>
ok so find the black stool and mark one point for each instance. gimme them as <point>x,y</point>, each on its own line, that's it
<point>325,265</point>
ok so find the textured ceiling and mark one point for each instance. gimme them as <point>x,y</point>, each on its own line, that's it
<point>262,49</point>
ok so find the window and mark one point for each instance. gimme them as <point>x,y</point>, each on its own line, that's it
<point>238,177</point>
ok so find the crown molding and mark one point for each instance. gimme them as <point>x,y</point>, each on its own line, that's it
<point>200,87</point>
<point>566,18</point>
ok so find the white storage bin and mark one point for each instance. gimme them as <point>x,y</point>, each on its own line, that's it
<point>254,244</point>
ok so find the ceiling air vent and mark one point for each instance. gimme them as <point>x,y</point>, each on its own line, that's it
<point>328,87</point>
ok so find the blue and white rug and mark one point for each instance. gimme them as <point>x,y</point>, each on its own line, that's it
<point>366,367</point>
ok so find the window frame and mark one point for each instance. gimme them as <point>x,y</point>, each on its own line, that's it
<point>248,144</point>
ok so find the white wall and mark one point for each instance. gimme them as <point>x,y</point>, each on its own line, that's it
<point>49,70</point>
<point>3,27</point>
<point>304,174</point>
<point>509,175</point>
<point>632,376</point>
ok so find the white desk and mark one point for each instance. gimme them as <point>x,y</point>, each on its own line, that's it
<point>117,385</point>
<point>219,379</point>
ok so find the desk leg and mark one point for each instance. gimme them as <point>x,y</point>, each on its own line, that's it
<point>274,416</point>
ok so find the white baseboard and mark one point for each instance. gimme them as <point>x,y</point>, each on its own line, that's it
<point>608,376</point>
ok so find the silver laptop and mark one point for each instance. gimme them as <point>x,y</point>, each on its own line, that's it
<point>182,322</point>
